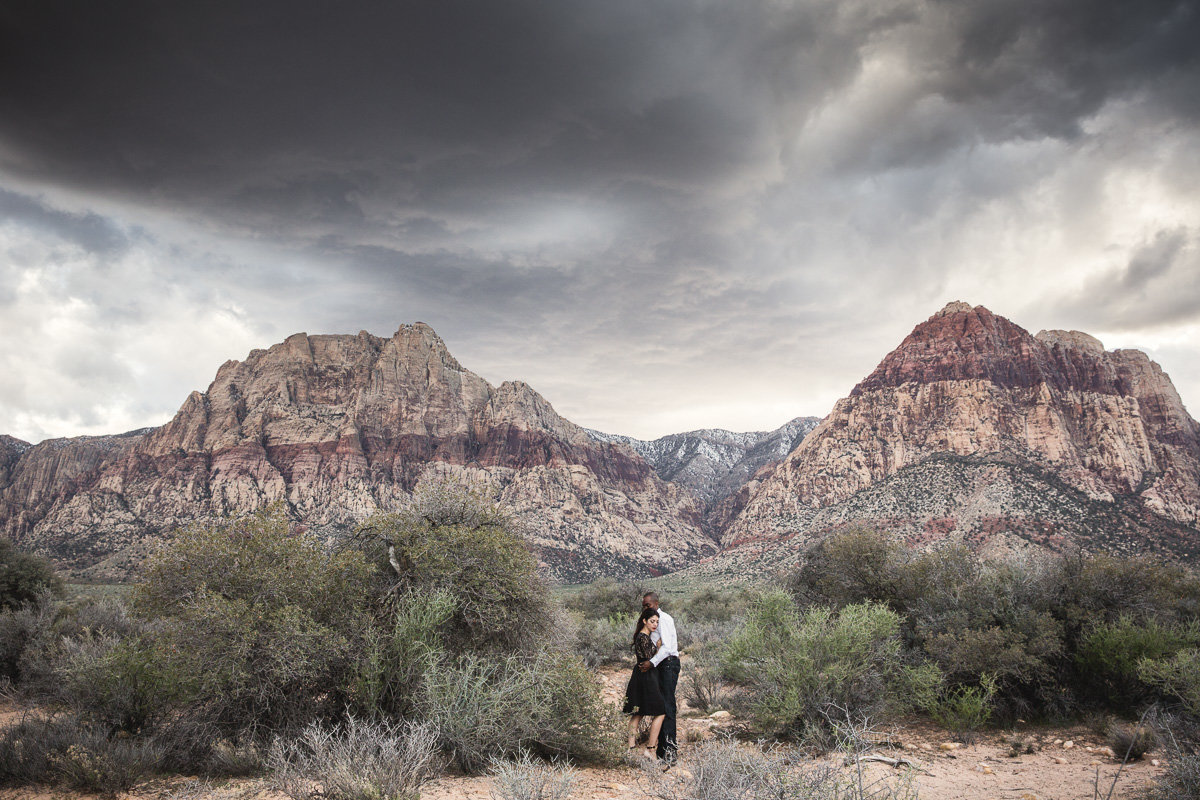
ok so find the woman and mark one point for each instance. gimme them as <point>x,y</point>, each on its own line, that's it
<point>642,697</point>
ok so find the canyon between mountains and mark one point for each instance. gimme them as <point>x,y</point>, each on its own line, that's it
<point>972,430</point>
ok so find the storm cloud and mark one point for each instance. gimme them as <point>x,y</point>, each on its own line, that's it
<point>661,215</point>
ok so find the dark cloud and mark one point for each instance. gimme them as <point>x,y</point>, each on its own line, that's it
<point>1158,287</point>
<point>602,194</point>
<point>88,230</point>
<point>275,105</point>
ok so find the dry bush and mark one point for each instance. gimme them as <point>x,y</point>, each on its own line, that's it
<point>526,778</point>
<point>726,770</point>
<point>1131,742</point>
<point>704,690</point>
<point>360,760</point>
<point>486,708</point>
<point>65,753</point>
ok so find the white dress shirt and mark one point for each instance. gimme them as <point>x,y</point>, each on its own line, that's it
<point>666,635</point>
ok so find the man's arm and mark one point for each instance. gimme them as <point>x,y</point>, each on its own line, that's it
<point>668,643</point>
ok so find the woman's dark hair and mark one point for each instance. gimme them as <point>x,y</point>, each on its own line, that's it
<point>645,615</point>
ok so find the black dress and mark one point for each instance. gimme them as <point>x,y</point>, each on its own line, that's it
<point>643,695</point>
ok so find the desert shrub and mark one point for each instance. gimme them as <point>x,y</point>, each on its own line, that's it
<point>1179,781</point>
<point>396,653</point>
<point>1108,655</point>
<point>727,770</point>
<point>485,707</point>
<point>604,641</point>
<point>715,605</point>
<point>20,628</point>
<point>360,760</point>
<point>452,538</point>
<point>24,576</point>
<point>527,778</point>
<point>64,752</point>
<point>795,666</point>
<point>700,639</point>
<point>996,621</point>
<point>1101,587</point>
<point>241,666</point>
<point>963,710</point>
<point>704,689</point>
<point>1177,676</point>
<point>259,561</point>
<point>257,622</point>
<point>607,599</point>
<point>852,566</point>
<point>1131,742</point>
<point>115,684</point>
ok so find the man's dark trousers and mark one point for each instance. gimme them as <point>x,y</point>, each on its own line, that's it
<point>668,679</point>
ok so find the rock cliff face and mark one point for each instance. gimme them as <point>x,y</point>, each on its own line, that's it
<point>712,462</point>
<point>338,427</point>
<point>968,388</point>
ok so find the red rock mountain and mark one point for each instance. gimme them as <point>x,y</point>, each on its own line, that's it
<point>339,427</point>
<point>974,428</point>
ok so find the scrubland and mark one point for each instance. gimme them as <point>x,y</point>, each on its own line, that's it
<point>424,646</point>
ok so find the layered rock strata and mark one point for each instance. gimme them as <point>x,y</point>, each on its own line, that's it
<point>337,428</point>
<point>967,383</point>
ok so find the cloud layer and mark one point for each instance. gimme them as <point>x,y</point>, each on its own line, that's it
<point>662,216</point>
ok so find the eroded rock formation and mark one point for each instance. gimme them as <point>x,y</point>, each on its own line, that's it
<point>338,427</point>
<point>969,384</point>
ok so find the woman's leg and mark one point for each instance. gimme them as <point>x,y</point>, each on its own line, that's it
<point>635,722</point>
<point>655,727</point>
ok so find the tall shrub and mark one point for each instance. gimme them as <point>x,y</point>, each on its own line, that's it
<point>800,666</point>
<point>259,621</point>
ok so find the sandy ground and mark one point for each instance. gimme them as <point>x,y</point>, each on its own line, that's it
<point>1067,764</point>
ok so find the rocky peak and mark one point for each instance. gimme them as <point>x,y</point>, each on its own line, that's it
<point>1073,339</point>
<point>337,427</point>
<point>967,383</point>
<point>953,307</point>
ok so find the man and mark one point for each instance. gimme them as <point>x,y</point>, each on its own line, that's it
<point>666,665</point>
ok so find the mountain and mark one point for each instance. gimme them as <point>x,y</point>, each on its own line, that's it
<point>712,462</point>
<point>975,429</point>
<point>338,427</point>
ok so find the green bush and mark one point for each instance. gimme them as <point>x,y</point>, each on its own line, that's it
<point>24,576</point>
<point>1178,676</point>
<point>857,565</point>
<point>712,605</point>
<point>258,625</point>
<point>20,628</point>
<point>452,538</point>
<point>1109,653</point>
<point>394,659</point>
<point>965,709</point>
<point>117,685</point>
<point>797,667</point>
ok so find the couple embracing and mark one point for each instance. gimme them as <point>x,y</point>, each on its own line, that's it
<point>651,691</point>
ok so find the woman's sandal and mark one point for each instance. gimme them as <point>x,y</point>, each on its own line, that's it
<point>650,752</point>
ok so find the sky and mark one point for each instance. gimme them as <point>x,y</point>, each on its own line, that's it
<point>662,215</point>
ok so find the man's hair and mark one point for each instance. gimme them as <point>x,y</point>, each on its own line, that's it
<point>651,594</point>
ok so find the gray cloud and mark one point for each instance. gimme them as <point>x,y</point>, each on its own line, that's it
<point>664,214</point>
